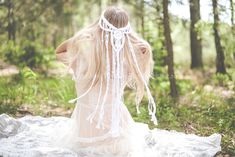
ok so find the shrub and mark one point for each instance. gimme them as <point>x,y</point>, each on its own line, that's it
<point>220,79</point>
<point>27,53</point>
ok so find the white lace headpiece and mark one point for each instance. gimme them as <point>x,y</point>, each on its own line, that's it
<point>117,38</point>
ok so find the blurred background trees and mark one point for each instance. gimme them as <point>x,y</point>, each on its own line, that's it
<point>194,72</point>
<point>48,23</point>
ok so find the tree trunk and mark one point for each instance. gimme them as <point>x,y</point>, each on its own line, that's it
<point>232,22</point>
<point>195,42</point>
<point>232,12</point>
<point>169,48</point>
<point>11,27</point>
<point>220,67</point>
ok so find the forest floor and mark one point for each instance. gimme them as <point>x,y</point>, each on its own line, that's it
<point>207,99</point>
<point>7,69</point>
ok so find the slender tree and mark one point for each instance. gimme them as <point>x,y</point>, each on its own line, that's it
<point>220,66</point>
<point>11,23</point>
<point>232,11</point>
<point>232,15</point>
<point>195,42</point>
<point>169,48</point>
<point>232,22</point>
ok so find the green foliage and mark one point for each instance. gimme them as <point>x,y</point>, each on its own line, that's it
<point>184,86</point>
<point>32,88</point>
<point>220,79</point>
<point>27,53</point>
<point>201,26</point>
<point>233,76</point>
<point>163,84</point>
<point>28,74</point>
<point>228,40</point>
<point>10,98</point>
<point>213,113</point>
<point>11,52</point>
<point>159,52</point>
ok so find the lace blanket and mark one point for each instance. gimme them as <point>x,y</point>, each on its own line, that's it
<point>35,136</point>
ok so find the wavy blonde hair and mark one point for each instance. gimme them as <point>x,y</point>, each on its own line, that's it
<point>87,44</point>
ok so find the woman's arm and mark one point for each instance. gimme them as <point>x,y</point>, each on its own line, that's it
<point>62,48</point>
<point>62,53</point>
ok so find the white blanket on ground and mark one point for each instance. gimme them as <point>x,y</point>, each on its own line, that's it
<point>35,136</point>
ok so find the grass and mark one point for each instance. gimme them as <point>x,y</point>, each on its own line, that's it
<point>198,110</point>
<point>203,108</point>
<point>37,95</point>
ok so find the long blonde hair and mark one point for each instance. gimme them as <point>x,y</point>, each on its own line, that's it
<point>88,43</point>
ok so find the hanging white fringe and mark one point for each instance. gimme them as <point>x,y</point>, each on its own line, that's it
<point>151,103</point>
<point>117,38</point>
<point>100,120</point>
